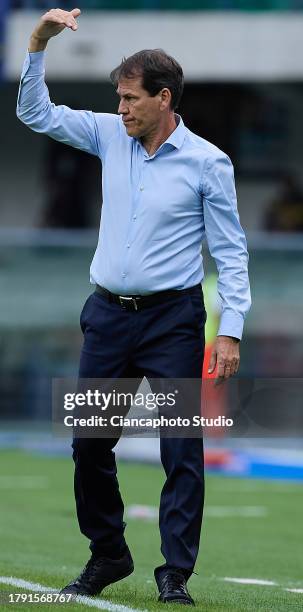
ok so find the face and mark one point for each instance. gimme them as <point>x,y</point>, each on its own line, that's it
<point>141,113</point>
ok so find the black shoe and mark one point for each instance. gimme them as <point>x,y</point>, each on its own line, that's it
<point>98,573</point>
<point>172,588</point>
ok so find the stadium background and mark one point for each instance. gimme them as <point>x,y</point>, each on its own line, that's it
<point>244,92</point>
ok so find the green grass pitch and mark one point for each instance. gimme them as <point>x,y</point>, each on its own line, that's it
<point>40,541</point>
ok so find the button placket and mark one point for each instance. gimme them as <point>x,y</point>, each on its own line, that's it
<point>136,204</point>
<point>132,228</point>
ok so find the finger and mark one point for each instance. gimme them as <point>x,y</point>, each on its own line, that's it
<point>55,16</point>
<point>227,371</point>
<point>212,361</point>
<point>75,12</point>
<point>233,367</point>
<point>232,370</point>
<point>72,24</point>
<point>71,21</point>
<point>50,16</point>
<point>221,368</point>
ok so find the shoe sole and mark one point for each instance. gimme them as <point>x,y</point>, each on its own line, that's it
<point>176,601</point>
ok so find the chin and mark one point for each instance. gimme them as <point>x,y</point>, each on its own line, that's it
<point>132,130</point>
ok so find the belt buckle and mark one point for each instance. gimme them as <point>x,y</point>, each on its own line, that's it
<point>128,299</point>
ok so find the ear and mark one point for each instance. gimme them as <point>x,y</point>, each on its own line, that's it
<point>165,98</point>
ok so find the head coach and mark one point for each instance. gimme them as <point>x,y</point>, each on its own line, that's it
<point>164,190</point>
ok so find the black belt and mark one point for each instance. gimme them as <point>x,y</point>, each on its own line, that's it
<point>137,302</point>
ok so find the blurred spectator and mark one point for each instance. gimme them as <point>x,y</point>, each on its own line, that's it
<point>285,213</point>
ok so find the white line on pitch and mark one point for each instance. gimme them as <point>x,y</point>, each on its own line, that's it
<point>101,604</point>
<point>260,582</point>
<point>251,581</point>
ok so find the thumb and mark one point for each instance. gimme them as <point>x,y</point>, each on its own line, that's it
<point>212,361</point>
<point>75,12</point>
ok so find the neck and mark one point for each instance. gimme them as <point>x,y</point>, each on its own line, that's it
<point>156,137</point>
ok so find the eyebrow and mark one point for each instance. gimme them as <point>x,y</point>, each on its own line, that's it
<point>128,93</point>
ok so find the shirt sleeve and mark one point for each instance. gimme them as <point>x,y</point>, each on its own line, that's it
<point>227,244</point>
<point>81,129</point>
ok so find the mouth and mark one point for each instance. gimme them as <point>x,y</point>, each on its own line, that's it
<point>126,123</point>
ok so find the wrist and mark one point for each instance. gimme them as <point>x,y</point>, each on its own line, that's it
<point>236,340</point>
<point>37,44</point>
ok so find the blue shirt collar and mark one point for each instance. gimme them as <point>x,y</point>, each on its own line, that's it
<point>177,136</point>
<point>175,139</point>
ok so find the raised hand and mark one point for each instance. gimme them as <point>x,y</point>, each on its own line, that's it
<point>50,24</point>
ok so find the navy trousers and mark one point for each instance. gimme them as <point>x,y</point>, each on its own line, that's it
<point>161,341</point>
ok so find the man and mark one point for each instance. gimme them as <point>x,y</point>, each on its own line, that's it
<point>164,188</point>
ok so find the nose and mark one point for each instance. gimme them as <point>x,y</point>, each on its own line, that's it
<point>122,109</point>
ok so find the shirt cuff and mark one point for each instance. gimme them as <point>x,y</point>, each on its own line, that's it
<point>33,64</point>
<point>231,324</point>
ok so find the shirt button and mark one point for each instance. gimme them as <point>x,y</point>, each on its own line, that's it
<point>123,274</point>
<point>141,188</point>
<point>128,246</point>
<point>134,217</point>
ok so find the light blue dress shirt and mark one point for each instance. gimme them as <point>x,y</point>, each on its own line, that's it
<point>156,209</point>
